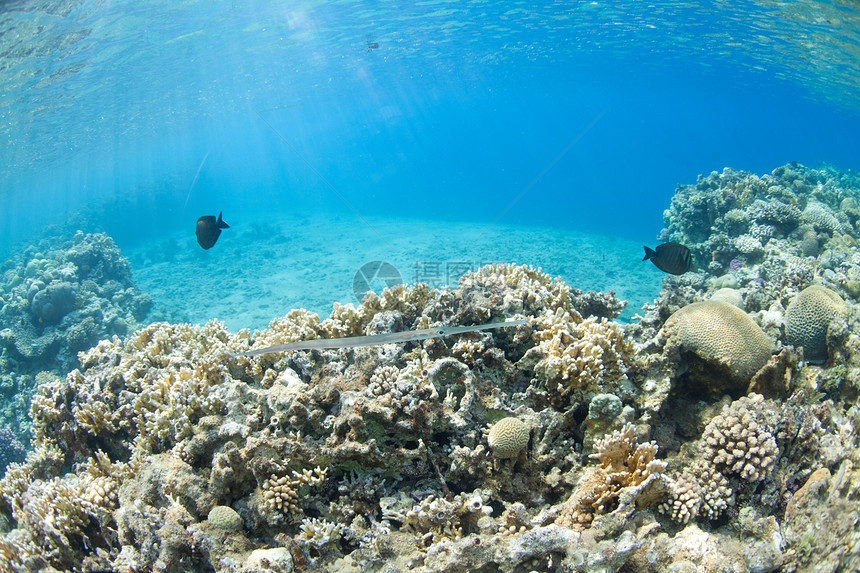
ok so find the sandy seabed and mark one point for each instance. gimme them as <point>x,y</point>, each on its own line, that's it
<point>259,271</point>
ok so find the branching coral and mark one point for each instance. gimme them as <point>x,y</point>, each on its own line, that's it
<point>280,494</point>
<point>624,463</point>
<point>738,441</point>
<point>584,356</point>
<point>699,490</point>
<point>435,517</point>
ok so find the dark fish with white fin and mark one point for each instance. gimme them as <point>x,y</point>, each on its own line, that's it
<point>672,258</point>
<point>209,229</point>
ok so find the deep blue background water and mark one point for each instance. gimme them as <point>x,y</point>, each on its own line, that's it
<point>577,114</point>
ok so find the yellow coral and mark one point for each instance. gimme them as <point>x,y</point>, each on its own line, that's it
<point>623,463</point>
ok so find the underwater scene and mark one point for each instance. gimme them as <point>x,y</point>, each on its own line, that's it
<point>435,286</point>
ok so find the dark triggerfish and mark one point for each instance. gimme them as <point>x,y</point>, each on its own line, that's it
<point>208,230</point>
<point>672,258</point>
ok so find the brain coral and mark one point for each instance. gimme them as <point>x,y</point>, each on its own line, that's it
<point>722,335</point>
<point>508,437</point>
<point>807,318</point>
<point>225,517</point>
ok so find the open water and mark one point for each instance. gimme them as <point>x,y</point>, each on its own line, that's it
<point>498,118</point>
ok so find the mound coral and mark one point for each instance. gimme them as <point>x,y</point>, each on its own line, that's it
<point>508,437</point>
<point>723,336</point>
<point>225,517</point>
<point>808,317</point>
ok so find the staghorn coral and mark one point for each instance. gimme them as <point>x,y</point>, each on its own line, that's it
<point>510,290</point>
<point>784,216</point>
<point>724,337</point>
<point>319,532</point>
<point>808,318</point>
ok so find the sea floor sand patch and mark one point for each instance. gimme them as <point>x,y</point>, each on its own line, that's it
<point>258,272</point>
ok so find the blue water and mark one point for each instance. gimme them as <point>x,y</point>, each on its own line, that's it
<point>136,118</point>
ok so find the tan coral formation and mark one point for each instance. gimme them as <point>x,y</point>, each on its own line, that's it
<point>723,336</point>
<point>508,437</point>
<point>808,317</point>
<point>628,478</point>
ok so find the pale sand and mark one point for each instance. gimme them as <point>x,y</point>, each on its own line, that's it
<point>257,272</point>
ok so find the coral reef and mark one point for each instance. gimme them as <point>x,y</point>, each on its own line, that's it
<point>57,299</point>
<point>694,439</point>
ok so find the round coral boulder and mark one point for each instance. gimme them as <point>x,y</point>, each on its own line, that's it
<point>508,437</point>
<point>731,346</point>
<point>808,317</point>
<point>225,517</point>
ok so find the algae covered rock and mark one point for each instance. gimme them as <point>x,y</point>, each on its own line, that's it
<point>724,337</point>
<point>808,317</point>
